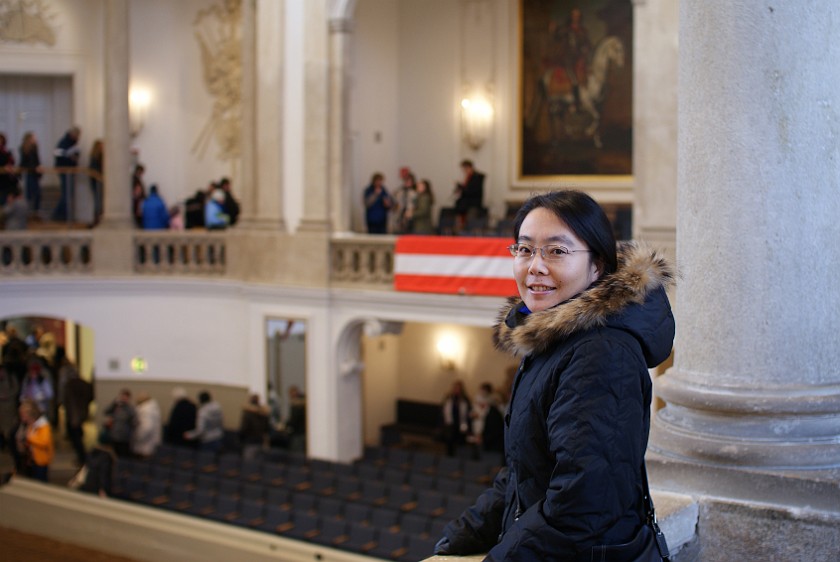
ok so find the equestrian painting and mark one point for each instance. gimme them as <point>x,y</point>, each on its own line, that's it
<point>576,87</point>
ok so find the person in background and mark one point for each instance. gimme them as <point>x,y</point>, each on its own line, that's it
<point>589,323</point>
<point>377,203</point>
<point>78,394</point>
<point>176,218</point>
<point>8,180</point>
<point>194,210</point>
<point>155,215</point>
<point>15,212</point>
<point>37,386</point>
<point>229,205</point>
<point>181,418</point>
<point>404,203</point>
<point>9,392</point>
<point>469,191</point>
<point>120,421</point>
<point>138,194</point>
<point>456,412</point>
<point>149,431</point>
<point>421,215</point>
<point>30,163</point>
<point>215,217</point>
<point>96,163</point>
<point>253,427</point>
<point>209,426</point>
<point>35,441</point>
<point>66,156</point>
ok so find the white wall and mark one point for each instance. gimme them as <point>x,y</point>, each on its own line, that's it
<point>166,60</point>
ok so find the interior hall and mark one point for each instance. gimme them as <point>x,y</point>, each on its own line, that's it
<point>288,215</point>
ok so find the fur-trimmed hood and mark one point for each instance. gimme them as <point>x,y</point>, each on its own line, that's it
<point>632,298</point>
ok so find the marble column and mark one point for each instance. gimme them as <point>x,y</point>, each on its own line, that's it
<point>316,203</point>
<point>655,29</point>
<point>117,166</point>
<point>756,376</point>
<point>340,181</point>
<point>268,191</point>
<point>247,171</point>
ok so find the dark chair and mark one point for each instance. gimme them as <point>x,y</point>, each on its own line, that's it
<point>394,476</point>
<point>226,508</point>
<point>455,505</point>
<point>322,483</point>
<point>304,526</point>
<point>421,480</point>
<point>251,470</point>
<point>273,474</point>
<point>401,498</point>
<point>423,461</point>
<point>202,502</point>
<point>183,478</point>
<point>159,472</point>
<point>275,519</point>
<point>384,518</point>
<point>430,502</point>
<point>330,530</point>
<point>474,489</point>
<point>436,526</point>
<point>251,514</point>
<point>367,471</point>
<point>298,477</point>
<point>253,492</point>
<point>359,538</point>
<point>374,492</point>
<point>415,524</point>
<point>155,492</point>
<point>331,508</point>
<point>205,461</point>
<point>449,486</point>
<point>389,545</point>
<point>179,498</point>
<point>278,496</point>
<point>450,467</point>
<point>230,487</point>
<point>417,548</point>
<point>357,513</point>
<point>399,457</point>
<point>347,487</point>
<point>229,465</point>
<point>301,501</point>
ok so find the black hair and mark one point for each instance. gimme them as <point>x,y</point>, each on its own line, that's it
<point>584,216</point>
<point>204,397</point>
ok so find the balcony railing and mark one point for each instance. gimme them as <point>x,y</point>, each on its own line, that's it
<point>46,253</point>
<point>180,253</point>
<point>362,261</point>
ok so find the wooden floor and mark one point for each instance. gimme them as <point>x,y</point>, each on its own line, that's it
<point>23,547</point>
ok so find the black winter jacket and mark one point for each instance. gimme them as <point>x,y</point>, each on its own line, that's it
<point>577,427</point>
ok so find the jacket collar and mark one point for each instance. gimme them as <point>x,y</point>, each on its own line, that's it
<point>641,271</point>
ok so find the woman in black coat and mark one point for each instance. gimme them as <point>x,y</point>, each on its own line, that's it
<point>590,322</point>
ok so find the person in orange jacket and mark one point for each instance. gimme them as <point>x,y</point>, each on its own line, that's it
<point>35,441</point>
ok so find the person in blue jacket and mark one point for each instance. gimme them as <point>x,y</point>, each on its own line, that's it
<point>377,204</point>
<point>155,212</point>
<point>589,322</point>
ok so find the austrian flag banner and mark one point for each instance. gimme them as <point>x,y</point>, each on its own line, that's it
<point>454,264</point>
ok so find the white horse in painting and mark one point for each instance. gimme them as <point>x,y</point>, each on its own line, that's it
<point>561,99</point>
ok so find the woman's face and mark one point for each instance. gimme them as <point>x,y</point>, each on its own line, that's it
<point>542,283</point>
<point>421,187</point>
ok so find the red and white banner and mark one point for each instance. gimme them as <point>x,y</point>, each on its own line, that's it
<point>454,264</point>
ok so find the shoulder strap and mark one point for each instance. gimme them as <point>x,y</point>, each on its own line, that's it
<point>650,519</point>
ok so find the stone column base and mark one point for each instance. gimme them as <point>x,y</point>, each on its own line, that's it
<point>790,427</point>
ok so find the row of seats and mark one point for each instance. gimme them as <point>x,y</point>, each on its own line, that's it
<point>397,500</point>
<point>381,532</point>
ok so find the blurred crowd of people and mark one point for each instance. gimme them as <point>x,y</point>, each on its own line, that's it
<point>409,209</point>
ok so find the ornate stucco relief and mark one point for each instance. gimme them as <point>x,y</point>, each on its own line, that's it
<point>26,21</point>
<point>218,31</point>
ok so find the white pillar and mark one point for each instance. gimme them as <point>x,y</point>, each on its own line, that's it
<point>655,30</point>
<point>341,189</point>
<point>117,166</point>
<point>756,377</point>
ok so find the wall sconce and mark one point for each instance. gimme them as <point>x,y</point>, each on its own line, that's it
<point>448,350</point>
<point>476,118</point>
<point>139,100</point>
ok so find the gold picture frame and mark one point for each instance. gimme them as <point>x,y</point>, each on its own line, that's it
<point>575,95</point>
